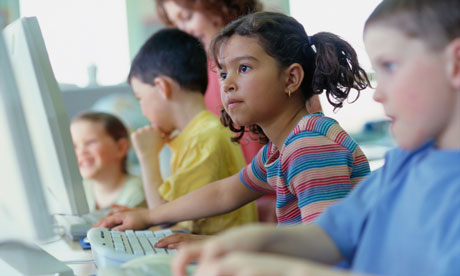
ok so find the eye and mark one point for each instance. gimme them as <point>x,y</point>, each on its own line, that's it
<point>244,68</point>
<point>223,75</point>
<point>90,142</point>
<point>389,66</point>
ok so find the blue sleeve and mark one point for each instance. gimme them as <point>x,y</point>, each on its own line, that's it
<point>345,220</point>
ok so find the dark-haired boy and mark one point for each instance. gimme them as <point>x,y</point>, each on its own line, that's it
<point>169,77</point>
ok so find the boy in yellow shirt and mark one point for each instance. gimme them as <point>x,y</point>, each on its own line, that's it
<point>169,78</point>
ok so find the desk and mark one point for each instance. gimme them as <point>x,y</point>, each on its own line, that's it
<point>66,250</point>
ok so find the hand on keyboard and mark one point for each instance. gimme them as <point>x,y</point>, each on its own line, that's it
<point>112,247</point>
<point>136,220</point>
<point>176,240</point>
<point>116,208</point>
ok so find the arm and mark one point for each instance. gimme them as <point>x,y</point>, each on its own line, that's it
<point>256,264</point>
<point>148,142</point>
<point>303,241</point>
<point>213,199</point>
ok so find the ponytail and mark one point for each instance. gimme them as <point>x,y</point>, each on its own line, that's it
<point>330,64</point>
<point>337,70</point>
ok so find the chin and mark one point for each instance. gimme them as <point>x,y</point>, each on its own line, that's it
<point>86,174</point>
<point>411,144</point>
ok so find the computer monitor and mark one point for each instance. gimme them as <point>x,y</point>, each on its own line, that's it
<point>23,207</point>
<point>24,215</point>
<point>46,118</point>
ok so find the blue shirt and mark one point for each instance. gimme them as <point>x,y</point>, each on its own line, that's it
<point>404,219</point>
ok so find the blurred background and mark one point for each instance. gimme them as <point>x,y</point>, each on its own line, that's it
<point>91,44</point>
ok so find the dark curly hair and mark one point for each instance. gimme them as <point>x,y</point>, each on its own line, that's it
<point>330,63</point>
<point>227,10</point>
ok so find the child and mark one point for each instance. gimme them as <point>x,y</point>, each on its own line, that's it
<point>169,78</point>
<point>404,219</point>
<point>268,70</point>
<point>101,144</point>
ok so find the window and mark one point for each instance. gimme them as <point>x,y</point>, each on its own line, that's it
<point>346,19</point>
<point>82,37</point>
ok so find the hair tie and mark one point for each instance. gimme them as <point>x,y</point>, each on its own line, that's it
<point>310,43</point>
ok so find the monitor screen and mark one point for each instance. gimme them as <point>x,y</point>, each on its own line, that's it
<point>46,118</point>
<point>23,207</point>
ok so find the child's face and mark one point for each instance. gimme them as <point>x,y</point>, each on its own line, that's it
<point>412,85</point>
<point>153,105</point>
<point>97,152</point>
<point>251,82</point>
<point>193,22</point>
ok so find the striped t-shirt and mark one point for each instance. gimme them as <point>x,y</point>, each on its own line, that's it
<point>318,165</point>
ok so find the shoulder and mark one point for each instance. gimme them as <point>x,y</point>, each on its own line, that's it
<point>208,130</point>
<point>133,182</point>
<point>317,134</point>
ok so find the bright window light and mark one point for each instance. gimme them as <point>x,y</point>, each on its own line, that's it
<point>83,35</point>
<point>346,19</point>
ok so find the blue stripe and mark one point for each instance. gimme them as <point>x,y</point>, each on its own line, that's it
<point>306,200</point>
<point>283,200</point>
<point>360,170</point>
<point>301,135</point>
<point>294,221</point>
<point>305,162</point>
<point>246,184</point>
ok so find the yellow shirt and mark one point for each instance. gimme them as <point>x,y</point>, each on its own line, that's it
<point>203,153</point>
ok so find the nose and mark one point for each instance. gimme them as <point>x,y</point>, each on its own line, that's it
<point>228,85</point>
<point>379,95</point>
<point>79,150</point>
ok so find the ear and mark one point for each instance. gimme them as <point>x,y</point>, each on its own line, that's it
<point>165,86</point>
<point>294,77</point>
<point>123,146</point>
<point>453,57</point>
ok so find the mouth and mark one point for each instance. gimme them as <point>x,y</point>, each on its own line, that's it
<point>84,164</point>
<point>233,103</point>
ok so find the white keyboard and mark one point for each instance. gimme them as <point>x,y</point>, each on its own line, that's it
<point>113,248</point>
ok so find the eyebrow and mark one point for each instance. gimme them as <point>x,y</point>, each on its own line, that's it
<point>236,59</point>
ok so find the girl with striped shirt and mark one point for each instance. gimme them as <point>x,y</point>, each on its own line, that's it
<point>269,70</point>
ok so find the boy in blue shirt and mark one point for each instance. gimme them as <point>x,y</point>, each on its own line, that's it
<point>404,219</point>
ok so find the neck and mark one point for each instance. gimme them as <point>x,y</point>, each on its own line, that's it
<point>186,107</point>
<point>278,129</point>
<point>109,181</point>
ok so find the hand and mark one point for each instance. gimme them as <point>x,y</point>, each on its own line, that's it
<point>148,141</point>
<point>136,220</point>
<point>177,240</point>
<point>258,264</point>
<point>116,208</point>
<point>250,238</point>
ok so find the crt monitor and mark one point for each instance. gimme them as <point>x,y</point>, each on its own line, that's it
<point>23,207</point>
<point>24,215</point>
<point>46,118</point>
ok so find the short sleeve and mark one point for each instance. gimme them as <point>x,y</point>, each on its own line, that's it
<point>318,175</point>
<point>345,220</point>
<point>132,194</point>
<point>201,163</point>
<point>254,175</point>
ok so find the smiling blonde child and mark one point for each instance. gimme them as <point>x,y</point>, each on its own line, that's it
<point>101,143</point>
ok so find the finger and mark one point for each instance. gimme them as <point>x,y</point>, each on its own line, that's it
<point>109,222</point>
<point>212,250</point>
<point>174,238</point>
<point>183,257</point>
